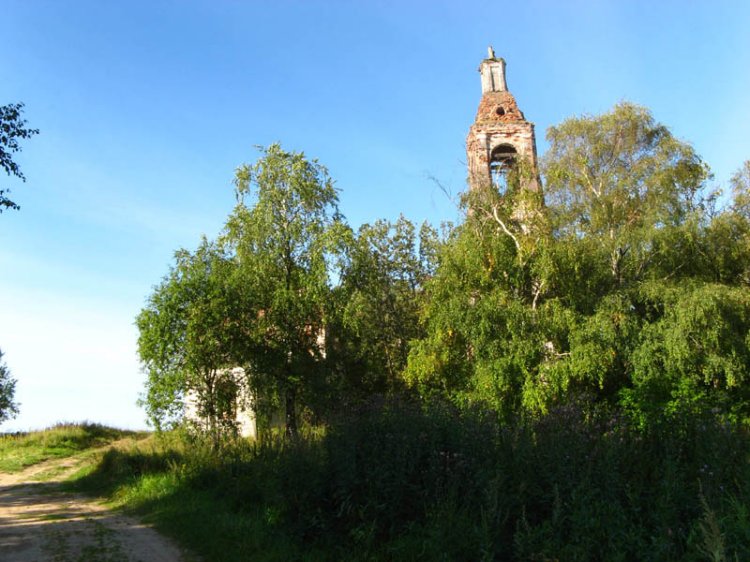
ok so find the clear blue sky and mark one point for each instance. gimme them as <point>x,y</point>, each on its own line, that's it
<point>147,107</point>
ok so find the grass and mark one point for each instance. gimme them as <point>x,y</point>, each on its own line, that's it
<point>171,481</point>
<point>413,482</point>
<point>20,450</point>
<point>410,481</point>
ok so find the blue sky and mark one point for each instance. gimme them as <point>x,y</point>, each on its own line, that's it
<point>147,107</point>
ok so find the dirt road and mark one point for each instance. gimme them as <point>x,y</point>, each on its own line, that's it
<point>40,523</point>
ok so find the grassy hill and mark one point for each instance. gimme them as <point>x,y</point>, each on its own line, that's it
<point>20,450</point>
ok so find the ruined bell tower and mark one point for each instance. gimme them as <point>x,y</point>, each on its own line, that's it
<point>500,137</point>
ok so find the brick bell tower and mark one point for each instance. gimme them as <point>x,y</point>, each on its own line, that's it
<point>500,136</point>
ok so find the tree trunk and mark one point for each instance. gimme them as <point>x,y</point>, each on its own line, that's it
<point>290,400</point>
<point>210,408</point>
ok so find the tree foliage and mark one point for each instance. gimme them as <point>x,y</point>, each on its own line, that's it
<point>285,234</point>
<point>740,184</point>
<point>623,282</point>
<point>8,406</point>
<point>379,301</point>
<point>626,285</point>
<point>693,351</point>
<point>12,129</point>
<point>621,179</point>
<point>189,338</point>
<point>315,313</point>
<point>481,331</point>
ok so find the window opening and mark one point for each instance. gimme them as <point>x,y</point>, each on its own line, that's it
<point>502,163</point>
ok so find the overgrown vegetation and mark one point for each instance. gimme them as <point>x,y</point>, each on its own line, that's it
<point>8,404</point>
<point>402,480</point>
<point>20,450</point>
<point>624,279</point>
<point>562,376</point>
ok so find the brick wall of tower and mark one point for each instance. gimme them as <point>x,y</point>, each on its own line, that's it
<point>484,137</point>
<point>499,121</point>
<point>498,107</point>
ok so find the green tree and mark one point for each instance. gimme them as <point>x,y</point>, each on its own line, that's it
<point>286,239</point>
<point>189,337</point>
<point>485,317</point>
<point>621,179</point>
<point>740,184</point>
<point>380,298</point>
<point>692,352</point>
<point>723,249</point>
<point>12,129</point>
<point>8,407</point>
<point>485,331</point>
<point>534,302</point>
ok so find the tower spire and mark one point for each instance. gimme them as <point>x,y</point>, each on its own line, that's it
<point>500,135</point>
<point>493,73</point>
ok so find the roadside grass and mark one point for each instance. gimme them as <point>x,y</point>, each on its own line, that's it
<point>20,450</point>
<point>415,482</point>
<point>173,483</point>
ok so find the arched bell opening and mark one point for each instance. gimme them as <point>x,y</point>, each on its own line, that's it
<point>502,165</point>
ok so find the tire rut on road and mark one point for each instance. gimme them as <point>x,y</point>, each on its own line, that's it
<point>40,523</point>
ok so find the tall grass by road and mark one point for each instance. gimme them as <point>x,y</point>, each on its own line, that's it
<point>403,481</point>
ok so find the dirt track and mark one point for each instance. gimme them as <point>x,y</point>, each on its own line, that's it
<point>40,523</point>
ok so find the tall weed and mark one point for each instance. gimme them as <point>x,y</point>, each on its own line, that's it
<point>403,480</point>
